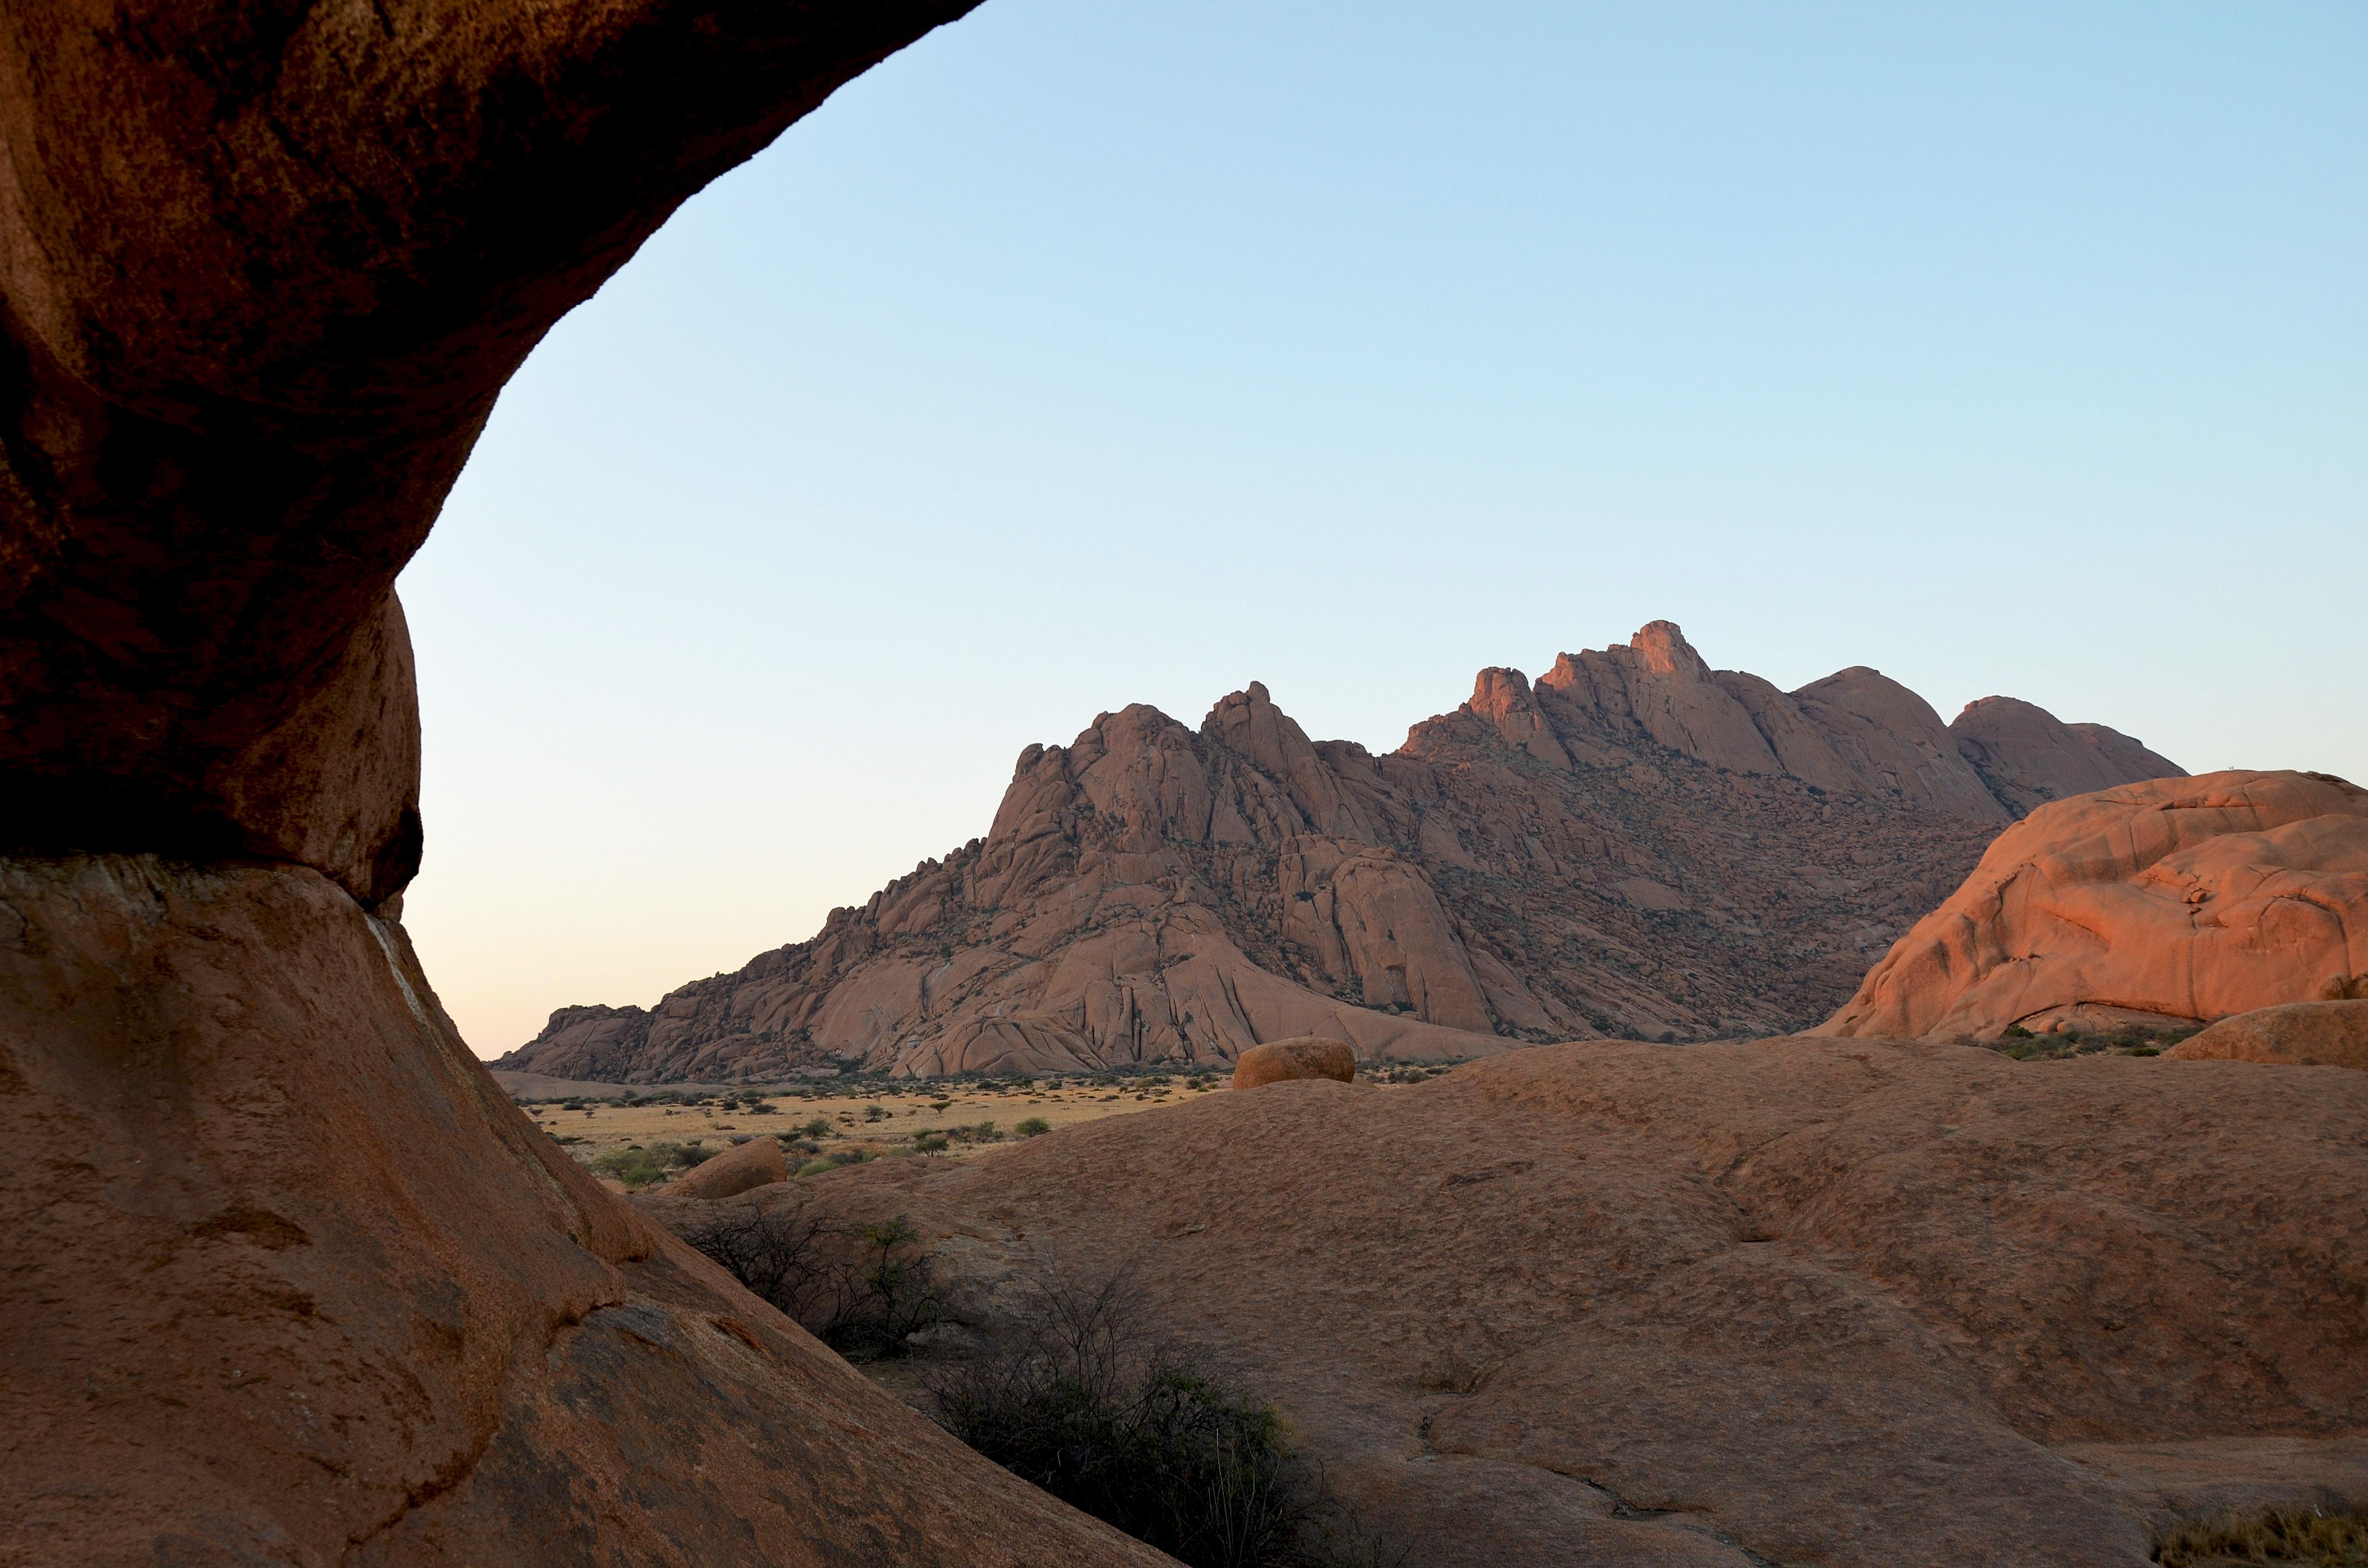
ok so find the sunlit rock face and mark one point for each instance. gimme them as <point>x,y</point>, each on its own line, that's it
<point>291,1281</point>
<point>2169,901</point>
<point>1636,844</point>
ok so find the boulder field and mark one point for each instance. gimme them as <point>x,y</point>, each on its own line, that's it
<point>1636,844</point>
<point>2167,901</point>
<point>1860,1302</point>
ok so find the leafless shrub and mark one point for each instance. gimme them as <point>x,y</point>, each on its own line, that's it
<point>863,1290</point>
<point>1084,1397</point>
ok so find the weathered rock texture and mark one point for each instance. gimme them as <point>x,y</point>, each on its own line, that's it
<point>1280,1060</point>
<point>2300,1034</point>
<point>288,1280</point>
<point>1636,844</point>
<point>2175,899</point>
<point>1860,1303</point>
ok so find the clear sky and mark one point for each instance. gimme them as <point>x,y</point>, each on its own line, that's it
<point>1102,351</point>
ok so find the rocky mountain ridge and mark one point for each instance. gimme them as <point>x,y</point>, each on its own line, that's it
<point>1635,845</point>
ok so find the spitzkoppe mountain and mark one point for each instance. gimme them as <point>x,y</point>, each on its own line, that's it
<point>1635,846</point>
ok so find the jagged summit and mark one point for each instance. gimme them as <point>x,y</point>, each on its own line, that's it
<point>1635,845</point>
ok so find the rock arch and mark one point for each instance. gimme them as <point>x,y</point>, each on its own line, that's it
<point>291,1281</point>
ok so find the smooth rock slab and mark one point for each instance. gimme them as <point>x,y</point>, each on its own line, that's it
<point>310,1290</point>
<point>1858,1304</point>
<point>2301,1034</point>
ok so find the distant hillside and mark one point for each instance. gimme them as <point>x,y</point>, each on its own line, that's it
<point>1637,845</point>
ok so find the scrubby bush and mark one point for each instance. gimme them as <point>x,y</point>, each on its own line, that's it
<point>894,1294</point>
<point>929,1143</point>
<point>2129,1040</point>
<point>862,1290</point>
<point>1034,1127</point>
<point>1083,1399</point>
<point>782,1257</point>
<point>875,1113</point>
<point>639,1167</point>
<point>818,1128</point>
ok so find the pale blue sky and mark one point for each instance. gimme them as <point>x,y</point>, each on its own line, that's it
<point>1094,353</point>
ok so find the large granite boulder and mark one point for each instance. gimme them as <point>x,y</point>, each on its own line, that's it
<point>1282,1061</point>
<point>2169,901</point>
<point>757,1163</point>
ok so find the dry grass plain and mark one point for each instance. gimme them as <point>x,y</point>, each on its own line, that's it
<point>945,1119</point>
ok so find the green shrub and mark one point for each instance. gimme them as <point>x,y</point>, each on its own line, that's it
<point>815,1168</point>
<point>929,1142</point>
<point>638,1167</point>
<point>875,1113</point>
<point>1035,1127</point>
<point>817,1128</point>
<point>634,1167</point>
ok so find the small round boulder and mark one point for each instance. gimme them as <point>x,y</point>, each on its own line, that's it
<point>757,1163</point>
<point>2300,1034</point>
<point>1310,1056</point>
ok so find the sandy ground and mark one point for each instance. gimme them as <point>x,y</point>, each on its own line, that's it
<point>877,1119</point>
